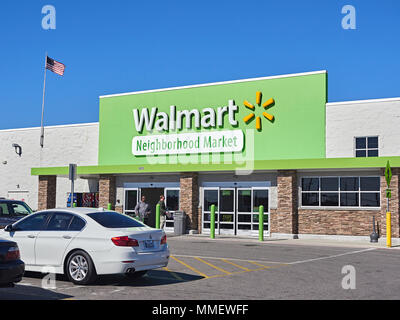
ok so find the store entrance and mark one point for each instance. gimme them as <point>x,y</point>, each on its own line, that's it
<point>152,197</point>
<point>237,210</point>
<point>133,195</point>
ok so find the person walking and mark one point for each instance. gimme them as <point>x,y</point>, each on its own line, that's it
<point>142,209</point>
<point>163,211</point>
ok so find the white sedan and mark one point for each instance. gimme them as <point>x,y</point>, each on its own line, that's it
<point>85,242</point>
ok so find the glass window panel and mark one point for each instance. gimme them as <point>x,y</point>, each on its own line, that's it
<point>361,153</point>
<point>260,198</point>
<point>370,184</point>
<point>226,199</point>
<point>226,226</point>
<point>255,218</point>
<point>372,153</point>
<point>172,200</point>
<point>361,143</point>
<point>349,199</point>
<point>206,216</point>
<point>206,225</point>
<point>244,226</point>
<point>373,142</point>
<point>130,199</point>
<point>32,223</point>
<point>329,184</point>
<point>244,217</point>
<point>255,227</point>
<point>210,198</point>
<point>4,209</point>
<point>244,200</point>
<point>370,199</point>
<point>59,222</point>
<point>349,184</point>
<point>310,184</point>
<point>310,199</point>
<point>330,199</point>
<point>226,218</point>
<point>77,224</point>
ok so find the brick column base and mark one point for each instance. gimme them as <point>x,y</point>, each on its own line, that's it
<point>107,191</point>
<point>189,198</point>
<point>47,192</point>
<point>285,218</point>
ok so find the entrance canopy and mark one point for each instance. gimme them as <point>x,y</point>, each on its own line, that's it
<point>299,164</point>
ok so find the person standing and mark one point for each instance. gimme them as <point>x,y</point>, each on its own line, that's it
<point>163,211</point>
<point>142,209</point>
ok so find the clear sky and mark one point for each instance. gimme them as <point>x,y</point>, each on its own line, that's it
<point>127,45</point>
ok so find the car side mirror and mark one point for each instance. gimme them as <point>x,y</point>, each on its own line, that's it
<point>8,228</point>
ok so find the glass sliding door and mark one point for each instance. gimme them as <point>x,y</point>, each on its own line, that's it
<point>172,204</point>
<point>244,216</point>
<point>131,197</point>
<point>237,210</point>
<point>260,198</point>
<point>210,197</point>
<point>226,212</point>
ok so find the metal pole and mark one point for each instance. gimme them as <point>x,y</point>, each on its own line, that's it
<point>158,206</point>
<point>109,206</point>
<point>212,222</point>
<point>72,193</point>
<point>261,223</point>
<point>42,123</point>
<point>388,226</point>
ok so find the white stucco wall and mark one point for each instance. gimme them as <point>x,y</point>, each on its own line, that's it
<point>346,120</point>
<point>62,145</point>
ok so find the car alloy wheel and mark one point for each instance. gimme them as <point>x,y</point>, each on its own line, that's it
<point>80,268</point>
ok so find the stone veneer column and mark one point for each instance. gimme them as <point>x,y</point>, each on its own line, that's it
<point>393,204</point>
<point>107,191</point>
<point>189,198</point>
<point>285,220</point>
<point>47,192</point>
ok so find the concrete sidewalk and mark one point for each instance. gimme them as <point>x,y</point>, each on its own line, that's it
<point>340,242</point>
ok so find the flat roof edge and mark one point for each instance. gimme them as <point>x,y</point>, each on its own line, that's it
<point>53,127</point>
<point>215,83</point>
<point>363,101</point>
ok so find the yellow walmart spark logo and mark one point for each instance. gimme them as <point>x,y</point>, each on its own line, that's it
<point>266,105</point>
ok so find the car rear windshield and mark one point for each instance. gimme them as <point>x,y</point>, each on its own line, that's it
<point>109,219</point>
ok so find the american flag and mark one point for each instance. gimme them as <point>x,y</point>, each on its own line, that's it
<point>55,66</point>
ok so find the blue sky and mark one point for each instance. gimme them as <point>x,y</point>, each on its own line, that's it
<point>123,46</point>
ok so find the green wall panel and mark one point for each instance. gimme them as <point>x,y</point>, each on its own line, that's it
<point>297,132</point>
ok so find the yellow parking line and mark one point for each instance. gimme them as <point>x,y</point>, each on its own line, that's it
<point>212,266</point>
<point>191,268</point>
<point>173,274</point>
<point>236,265</point>
<point>260,265</point>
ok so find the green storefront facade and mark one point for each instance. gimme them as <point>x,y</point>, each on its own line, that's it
<point>238,145</point>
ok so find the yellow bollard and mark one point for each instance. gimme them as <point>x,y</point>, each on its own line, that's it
<point>388,230</point>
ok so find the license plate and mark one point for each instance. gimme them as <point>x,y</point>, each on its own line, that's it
<point>149,244</point>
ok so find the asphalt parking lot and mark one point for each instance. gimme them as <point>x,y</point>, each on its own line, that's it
<point>239,269</point>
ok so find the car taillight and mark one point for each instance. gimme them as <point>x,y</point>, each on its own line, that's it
<point>164,239</point>
<point>13,254</point>
<point>125,242</point>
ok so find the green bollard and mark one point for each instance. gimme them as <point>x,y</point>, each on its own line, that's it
<point>212,222</point>
<point>74,205</point>
<point>158,216</point>
<point>109,207</point>
<point>261,223</point>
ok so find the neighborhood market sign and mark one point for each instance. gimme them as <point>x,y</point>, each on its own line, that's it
<point>186,143</point>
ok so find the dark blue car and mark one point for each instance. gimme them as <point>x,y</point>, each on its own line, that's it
<point>12,268</point>
<point>11,211</point>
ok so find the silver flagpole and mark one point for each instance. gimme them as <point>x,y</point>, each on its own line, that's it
<point>44,90</point>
